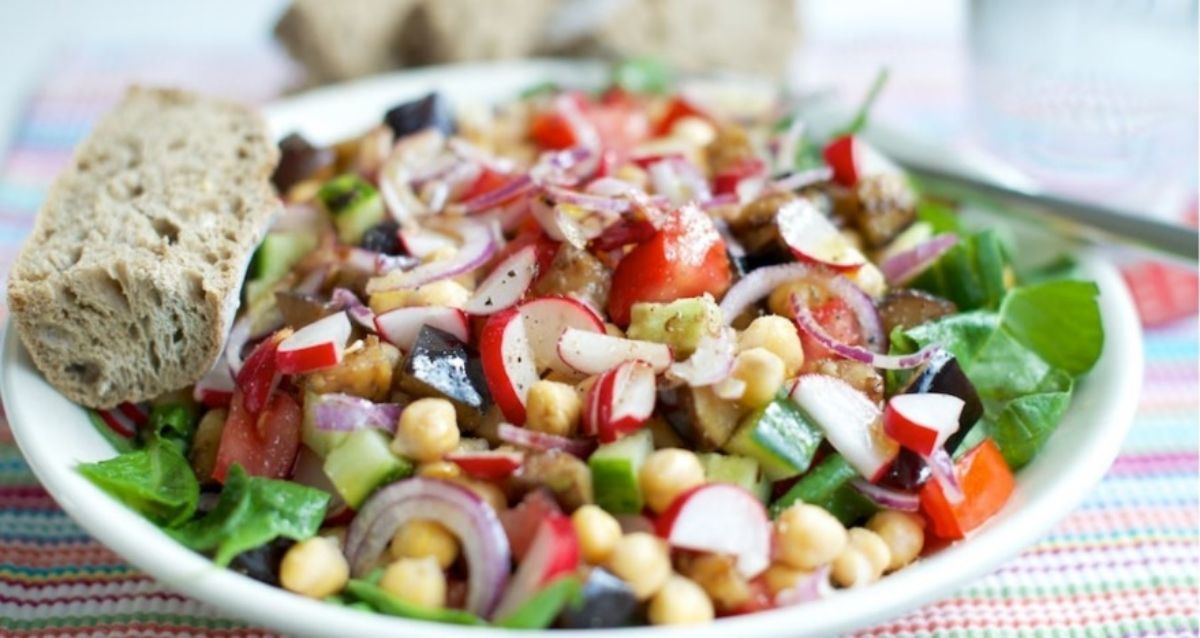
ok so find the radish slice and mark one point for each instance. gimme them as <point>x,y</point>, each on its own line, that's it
<point>345,413</point>
<point>809,325</point>
<point>215,388</point>
<point>559,225</point>
<point>547,318</point>
<point>401,326</point>
<point>478,245</point>
<point>594,352</point>
<point>507,283</point>
<point>941,467</point>
<point>903,267</point>
<point>813,238</point>
<point>464,513</point>
<point>360,313</point>
<point>620,401</point>
<point>710,363</point>
<point>543,442</point>
<point>922,422</point>
<point>851,422</point>
<point>851,159</point>
<point>508,362</point>
<point>317,346</point>
<point>490,465</point>
<point>720,518</point>
<point>888,498</point>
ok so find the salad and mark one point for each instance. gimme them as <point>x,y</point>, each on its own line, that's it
<point>650,354</point>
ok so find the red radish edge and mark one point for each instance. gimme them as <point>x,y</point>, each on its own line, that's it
<point>813,238</point>
<point>401,326</point>
<point>553,552</point>
<point>506,284</point>
<point>619,402</point>
<point>489,464</point>
<point>314,347</point>
<point>851,422</point>
<point>922,422</point>
<point>508,362</point>
<point>693,521</point>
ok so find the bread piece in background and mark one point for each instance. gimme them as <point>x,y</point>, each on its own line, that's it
<point>753,36</point>
<point>445,31</point>
<point>127,286</point>
<point>339,40</point>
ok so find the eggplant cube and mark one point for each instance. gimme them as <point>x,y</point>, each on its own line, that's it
<point>606,601</point>
<point>439,365</point>
<point>431,111</point>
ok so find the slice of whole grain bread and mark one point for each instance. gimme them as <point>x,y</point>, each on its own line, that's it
<point>127,286</point>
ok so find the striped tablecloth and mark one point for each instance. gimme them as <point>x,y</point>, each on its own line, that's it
<point>1127,562</point>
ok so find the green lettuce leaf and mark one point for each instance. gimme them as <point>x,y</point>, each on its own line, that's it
<point>1059,320</point>
<point>156,481</point>
<point>391,605</point>
<point>251,512</point>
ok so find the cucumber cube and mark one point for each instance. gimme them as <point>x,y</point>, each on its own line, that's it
<point>615,469</point>
<point>363,462</point>
<point>779,437</point>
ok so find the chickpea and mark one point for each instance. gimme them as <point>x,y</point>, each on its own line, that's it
<point>695,130</point>
<point>553,407</point>
<point>718,576</point>
<point>444,292</point>
<point>598,533</point>
<point>641,560</point>
<point>444,470</point>
<point>779,336</point>
<point>807,537</point>
<point>489,492</point>
<point>871,546</point>
<point>680,602</point>
<point>428,428</point>
<point>666,474</point>
<point>418,581</point>
<point>385,300</point>
<point>365,372</point>
<point>314,567</point>
<point>780,577</point>
<point>422,538</point>
<point>904,534</point>
<point>763,374</point>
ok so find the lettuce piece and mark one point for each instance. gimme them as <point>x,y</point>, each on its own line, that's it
<point>391,605</point>
<point>155,481</point>
<point>1059,320</point>
<point>974,274</point>
<point>251,512</point>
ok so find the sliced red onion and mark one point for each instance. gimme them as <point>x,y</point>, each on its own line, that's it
<point>401,202</point>
<point>711,361</point>
<point>886,497</point>
<point>478,245</point>
<point>544,442</point>
<point>560,225</point>
<point>612,205</point>
<point>516,187</point>
<point>809,325</point>
<point>724,199</point>
<point>476,155</point>
<point>692,179</point>
<point>941,467</point>
<point>611,187</point>
<point>865,312</point>
<point>584,132</point>
<point>420,242</point>
<point>678,181</point>
<point>435,194</point>
<point>748,188</point>
<point>814,587</point>
<point>759,283</point>
<point>345,413</point>
<point>802,179</point>
<point>358,311</point>
<point>903,267</point>
<point>239,335</point>
<point>458,509</point>
<point>506,284</point>
<point>509,216</point>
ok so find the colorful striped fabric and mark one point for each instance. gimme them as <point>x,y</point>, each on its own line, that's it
<point>1127,562</point>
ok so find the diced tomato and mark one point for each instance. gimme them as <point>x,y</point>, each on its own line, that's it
<point>265,446</point>
<point>839,156</point>
<point>622,233</point>
<point>488,181</point>
<point>521,522</point>
<point>727,180</point>
<point>620,126</point>
<point>552,131</point>
<point>259,374</point>
<point>986,484</point>
<point>678,109</point>
<point>836,317</point>
<point>684,258</point>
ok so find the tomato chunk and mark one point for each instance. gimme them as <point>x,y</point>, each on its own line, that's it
<point>552,131</point>
<point>836,317</point>
<point>726,182</point>
<point>266,446</point>
<point>684,258</point>
<point>678,109</point>
<point>986,483</point>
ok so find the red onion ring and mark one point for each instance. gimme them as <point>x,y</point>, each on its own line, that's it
<point>359,312</point>
<point>903,267</point>
<point>543,442</point>
<point>802,179</point>
<point>345,413</point>
<point>599,203</point>
<point>887,498</point>
<point>519,186</point>
<point>864,310</point>
<point>941,467</point>
<point>464,513</point>
<point>479,243</point>
<point>809,325</point>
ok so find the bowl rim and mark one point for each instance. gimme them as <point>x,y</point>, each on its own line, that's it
<point>1106,399</point>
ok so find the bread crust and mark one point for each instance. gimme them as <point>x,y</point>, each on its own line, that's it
<point>128,284</point>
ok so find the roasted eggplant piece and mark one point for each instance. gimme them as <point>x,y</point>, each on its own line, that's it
<point>439,365</point>
<point>262,563</point>
<point>700,417</point>
<point>908,308</point>
<point>431,111</point>
<point>383,238</point>
<point>886,206</point>
<point>567,477</point>
<point>299,160</point>
<point>605,601</point>
<point>577,273</point>
<point>299,309</point>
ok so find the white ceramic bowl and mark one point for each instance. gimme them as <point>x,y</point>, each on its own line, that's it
<point>55,435</point>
